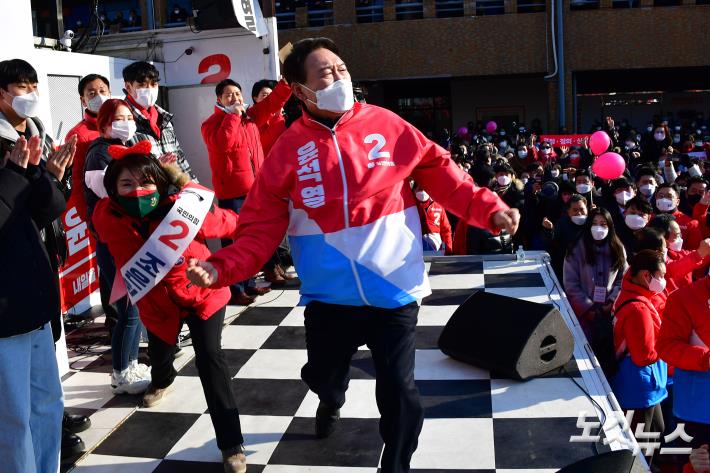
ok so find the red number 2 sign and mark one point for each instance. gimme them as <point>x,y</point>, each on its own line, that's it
<point>223,64</point>
<point>168,239</point>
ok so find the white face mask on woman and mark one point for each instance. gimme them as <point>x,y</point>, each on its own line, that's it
<point>599,232</point>
<point>657,285</point>
<point>676,245</point>
<point>503,180</point>
<point>123,130</point>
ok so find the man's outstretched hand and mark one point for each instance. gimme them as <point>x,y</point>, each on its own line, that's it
<point>201,273</point>
<point>507,220</point>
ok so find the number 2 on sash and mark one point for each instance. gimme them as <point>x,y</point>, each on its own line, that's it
<point>169,238</point>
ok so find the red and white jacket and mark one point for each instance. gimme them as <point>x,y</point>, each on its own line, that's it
<point>689,229</point>
<point>343,196</point>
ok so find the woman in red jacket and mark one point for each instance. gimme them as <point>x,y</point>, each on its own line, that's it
<point>640,383</point>
<point>141,193</point>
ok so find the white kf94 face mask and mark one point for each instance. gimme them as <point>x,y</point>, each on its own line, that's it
<point>338,97</point>
<point>27,105</point>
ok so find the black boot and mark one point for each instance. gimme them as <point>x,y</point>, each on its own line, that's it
<point>75,423</point>
<point>326,417</point>
<point>72,444</point>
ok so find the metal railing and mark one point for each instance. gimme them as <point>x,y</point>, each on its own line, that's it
<point>409,10</point>
<point>490,7</point>
<point>321,17</point>
<point>531,6</point>
<point>367,12</point>
<point>286,20</point>
<point>449,8</point>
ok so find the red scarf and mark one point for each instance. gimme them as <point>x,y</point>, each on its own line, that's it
<point>150,114</point>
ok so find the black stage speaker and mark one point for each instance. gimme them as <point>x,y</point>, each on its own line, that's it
<point>214,14</point>
<point>619,461</point>
<point>511,337</point>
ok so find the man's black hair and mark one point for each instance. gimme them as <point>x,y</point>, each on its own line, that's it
<point>262,84</point>
<point>645,171</point>
<point>224,83</point>
<point>662,222</point>
<point>90,78</point>
<point>641,205</point>
<point>14,71</point>
<point>294,69</point>
<point>140,71</point>
<point>649,239</point>
<point>574,199</point>
<point>669,185</point>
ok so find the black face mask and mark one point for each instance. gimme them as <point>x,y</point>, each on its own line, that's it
<point>692,200</point>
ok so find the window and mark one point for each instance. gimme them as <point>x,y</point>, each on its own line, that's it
<point>285,14</point>
<point>489,7</point>
<point>625,3</point>
<point>449,8</point>
<point>369,11</point>
<point>320,12</point>
<point>583,4</point>
<point>429,114</point>
<point>409,10</point>
<point>531,6</point>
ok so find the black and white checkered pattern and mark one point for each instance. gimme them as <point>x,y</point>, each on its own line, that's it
<point>474,422</point>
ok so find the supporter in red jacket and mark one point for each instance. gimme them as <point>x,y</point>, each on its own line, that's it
<point>683,342</point>
<point>275,124</point>
<point>141,193</point>
<point>700,213</point>
<point>667,199</point>
<point>640,383</point>
<point>236,156</point>
<point>340,188</point>
<point>682,264</point>
<point>436,229</point>
<point>94,90</point>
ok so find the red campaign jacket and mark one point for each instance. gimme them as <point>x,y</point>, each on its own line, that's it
<point>680,266</point>
<point>700,213</point>
<point>352,222</point>
<point>689,229</point>
<point>174,298</point>
<point>275,124</point>
<point>434,220</point>
<point>234,146</point>
<point>86,132</point>
<point>636,323</point>
<point>687,311</point>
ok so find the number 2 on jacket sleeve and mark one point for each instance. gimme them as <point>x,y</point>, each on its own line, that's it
<point>168,239</point>
<point>375,152</point>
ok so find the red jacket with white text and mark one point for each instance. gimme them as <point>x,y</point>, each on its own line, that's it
<point>86,132</point>
<point>343,196</point>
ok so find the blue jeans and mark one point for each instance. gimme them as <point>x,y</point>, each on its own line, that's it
<point>126,333</point>
<point>235,205</point>
<point>31,403</point>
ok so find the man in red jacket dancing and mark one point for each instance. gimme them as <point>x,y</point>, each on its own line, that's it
<point>340,189</point>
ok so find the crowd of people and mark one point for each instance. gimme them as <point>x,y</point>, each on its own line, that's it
<point>634,249</point>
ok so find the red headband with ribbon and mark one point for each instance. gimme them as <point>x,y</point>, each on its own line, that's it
<point>120,152</point>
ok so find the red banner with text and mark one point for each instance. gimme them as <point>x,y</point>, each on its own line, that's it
<point>564,140</point>
<point>78,278</point>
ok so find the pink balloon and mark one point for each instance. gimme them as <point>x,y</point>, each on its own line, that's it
<point>599,142</point>
<point>609,166</point>
<point>463,131</point>
<point>491,127</point>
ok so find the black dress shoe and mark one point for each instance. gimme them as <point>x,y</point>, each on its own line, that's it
<point>75,423</point>
<point>72,444</point>
<point>326,417</point>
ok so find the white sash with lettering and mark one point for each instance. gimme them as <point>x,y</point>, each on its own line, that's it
<point>166,244</point>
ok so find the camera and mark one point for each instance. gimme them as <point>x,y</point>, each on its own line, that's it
<point>65,41</point>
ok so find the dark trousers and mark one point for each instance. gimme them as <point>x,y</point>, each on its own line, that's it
<point>235,205</point>
<point>212,368</point>
<point>652,418</point>
<point>333,335</point>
